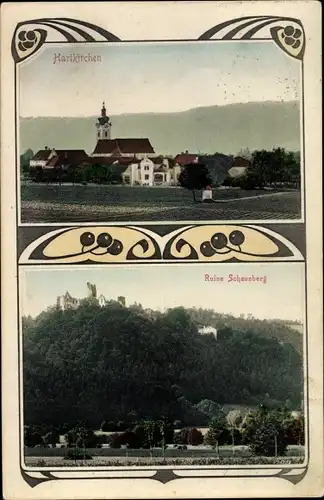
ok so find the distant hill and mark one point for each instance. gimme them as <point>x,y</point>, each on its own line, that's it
<point>224,129</point>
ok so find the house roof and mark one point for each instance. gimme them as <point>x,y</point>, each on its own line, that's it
<point>42,154</point>
<point>62,157</point>
<point>71,156</point>
<point>157,160</point>
<point>129,145</point>
<point>111,160</point>
<point>186,158</point>
<point>240,162</point>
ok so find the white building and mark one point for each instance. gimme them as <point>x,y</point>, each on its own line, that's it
<point>239,167</point>
<point>151,172</point>
<point>207,330</point>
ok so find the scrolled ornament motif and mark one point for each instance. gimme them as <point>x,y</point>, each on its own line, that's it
<point>290,39</point>
<point>230,243</point>
<point>26,42</point>
<point>30,36</point>
<point>93,244</point>
<point>288,33</point>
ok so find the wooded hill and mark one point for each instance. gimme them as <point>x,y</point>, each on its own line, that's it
<point>116,364</point>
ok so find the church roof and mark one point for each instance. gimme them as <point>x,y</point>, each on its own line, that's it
<point>134,145</point>
<point>105,146</point>
<point>126,146</point>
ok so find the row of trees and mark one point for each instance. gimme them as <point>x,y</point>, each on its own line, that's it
<point>267,168</point>
<point>82,174</point>
<point>270,168</point>
<point>266,432</point>
<point>125,364</point>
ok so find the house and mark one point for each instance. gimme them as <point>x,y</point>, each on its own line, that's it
<point>207,330</point>
<point>239,167</point>
<point>186,158</point>
<point>151,172</point>
<point>50,158</point>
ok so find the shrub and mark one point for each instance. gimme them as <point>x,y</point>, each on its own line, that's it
<point>108,426</point>
<point>77,454</point>
<point>115,440</point>
<point>41,463</point>
<point>51,438</point>
<point>32,437</point>
<point>177,424</point>
<point>188,436</point>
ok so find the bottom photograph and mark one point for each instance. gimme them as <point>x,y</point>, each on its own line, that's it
<point>163,365</point>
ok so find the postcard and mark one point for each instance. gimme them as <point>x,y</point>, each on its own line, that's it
<point>162,320</point>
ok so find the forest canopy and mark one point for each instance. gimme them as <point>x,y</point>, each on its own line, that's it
<point>117,363</point>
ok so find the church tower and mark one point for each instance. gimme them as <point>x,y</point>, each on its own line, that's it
<point>103,125</point>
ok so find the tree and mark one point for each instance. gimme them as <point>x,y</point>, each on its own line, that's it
<point>194,437</point>
<point>180,437</point>
<point>149,428</point>
<point>121,365</point>
<point>234,420</point>
<point>209,408</point>
<point>24,162</point>
<point>216,429</point>
<point>75,174</point>
<point>194,176</point>
<point>295,430</point>
<point>265,432</point>
<point>51,438</point>
<point>32,437</point>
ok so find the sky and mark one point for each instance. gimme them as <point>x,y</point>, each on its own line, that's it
<point>161,286</point>
<point>167,77</point>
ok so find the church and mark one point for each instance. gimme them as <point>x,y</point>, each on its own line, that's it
<point>120,147</point>
<point>135,156</point>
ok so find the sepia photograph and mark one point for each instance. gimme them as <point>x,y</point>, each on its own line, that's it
<point>160,132</point>
<point>146,366</point>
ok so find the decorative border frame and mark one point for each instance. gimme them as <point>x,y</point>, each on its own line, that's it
<point>288,34</point>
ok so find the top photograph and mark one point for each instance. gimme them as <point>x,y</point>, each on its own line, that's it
<point>159,132</point>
